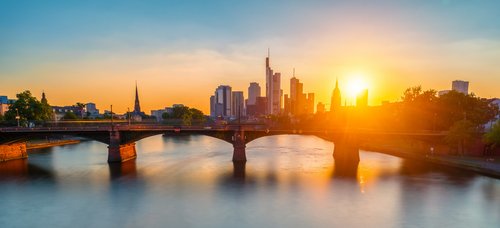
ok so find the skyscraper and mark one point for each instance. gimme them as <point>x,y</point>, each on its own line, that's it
<point>460,86</point>
<point>273,90</point>
<point>336,98</point>
<point>223,101</point>
<point>237,104</point>
<point>362,99</point>
<point>253,93</point>
<point>212,106</point>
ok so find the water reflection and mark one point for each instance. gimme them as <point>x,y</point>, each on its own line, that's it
<point>21,169</point>
<point>288,181</point>
<point>346,171</point>
<point>123,169</point>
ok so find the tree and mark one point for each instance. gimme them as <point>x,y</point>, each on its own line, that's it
<point>29,109</point>
<point>460,135</point>
<point>492,137</point>
<point>70,116</point>
<point>185,115</point>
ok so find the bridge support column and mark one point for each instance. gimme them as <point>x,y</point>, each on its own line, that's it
<point>239,145</point>
<point>346,151</point>
<point>118,152</point>
<point>13,151</point>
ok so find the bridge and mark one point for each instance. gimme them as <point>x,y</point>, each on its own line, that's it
<point>121,139</point>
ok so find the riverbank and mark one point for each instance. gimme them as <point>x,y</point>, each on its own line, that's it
<point>40,145</point>
<point>489,166</point>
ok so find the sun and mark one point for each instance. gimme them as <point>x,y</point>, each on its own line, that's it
<point>355,85</point>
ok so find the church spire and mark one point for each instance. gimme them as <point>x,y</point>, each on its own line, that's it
<point>44,99</point>
<point>137,106</point>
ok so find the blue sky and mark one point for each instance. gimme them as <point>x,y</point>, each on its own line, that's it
<point>67,47</point>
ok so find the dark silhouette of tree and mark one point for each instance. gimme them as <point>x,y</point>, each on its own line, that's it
<point>460,135</point>
<point>492,137</point>
<point>70,116</point>
<point>29,109</point>
<point>184,115</point>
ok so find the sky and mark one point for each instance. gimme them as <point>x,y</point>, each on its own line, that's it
<point>179,51</point>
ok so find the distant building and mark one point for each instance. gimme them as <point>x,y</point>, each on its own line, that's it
<point>443,92</point>
<point>336,97</point>
<point>137,114</point>
<point>222,102</point>
<point>320,108</point>
<point>212,106</point>
<point>3,108</point>
<point>92,111</point>
<point>287,105</point>
<point>158,114</point>
<point>60,111</point>
<point>310,104</point>
<point>253,92</point>
<point>460,86</point>
<point>273,90</point>
<point>362,99</point>
<point>299,102</point>
<point>4,100</point>
<point>237,104</point>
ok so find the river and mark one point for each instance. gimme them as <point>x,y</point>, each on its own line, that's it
<point>190,181</point>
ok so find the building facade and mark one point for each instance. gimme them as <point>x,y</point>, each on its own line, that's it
<point>222,102</point>
<point>336,98</point>
<point>273,90</point>
<point>237,104</point>
<point>460,86</point>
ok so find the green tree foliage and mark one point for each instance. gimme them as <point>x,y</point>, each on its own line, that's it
<point>70,116</point>
<point>186,115</point>
<point>492,137</point>
<point>29,109</point>
<point>461,134</point>
<point>455,106</point>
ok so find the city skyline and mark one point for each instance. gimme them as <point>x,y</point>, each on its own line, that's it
<point>93,52</point>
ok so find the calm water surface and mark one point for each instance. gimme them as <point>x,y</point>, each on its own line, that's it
<point>289,181</point>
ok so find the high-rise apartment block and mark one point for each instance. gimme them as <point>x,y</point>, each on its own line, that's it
<point>460,86</point>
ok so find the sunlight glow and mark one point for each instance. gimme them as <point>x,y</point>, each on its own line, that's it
<point>356,84</point>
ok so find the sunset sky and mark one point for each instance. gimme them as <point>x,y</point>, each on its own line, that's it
<point>180,51</point>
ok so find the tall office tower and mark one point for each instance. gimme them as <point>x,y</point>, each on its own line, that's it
<point>460,86</point>
<point>309,104</point>
<point>212,106</point>
<point>273,90</point>
<point>320,108</point>
<point>253,93</point>
<point>362,99</point>
<point>287,105</point>
<point>223,101</point>
<point>237,104</point>
<point>336,98</point>
<point>294,95</point>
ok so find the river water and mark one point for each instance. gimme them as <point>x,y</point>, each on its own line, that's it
<point>288,181</point>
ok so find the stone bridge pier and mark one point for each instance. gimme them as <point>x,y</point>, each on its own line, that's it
<point>13,151</point>
<point>346,153</point>
<point>118,151</point>
<point>239,144</point>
